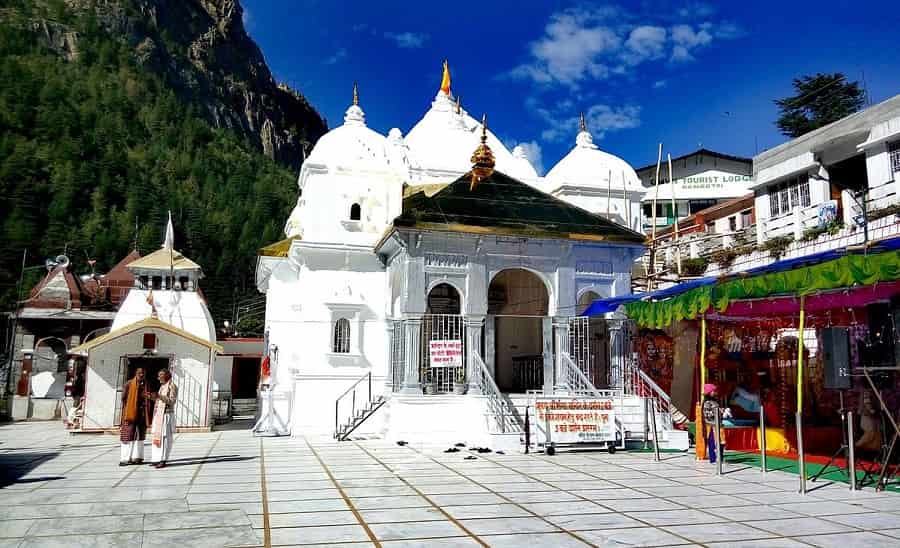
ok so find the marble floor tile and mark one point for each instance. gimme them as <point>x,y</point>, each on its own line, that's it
<point>85,525</point>
<point>413,530</point>
<point>393,515</point>
<point>311,535</point>
<point>556,540</point>
<point>453,542</point>
<point>642,536</point>
<point>202,537</point>
<point>565,508</point>
<point>851,540</point>
<point>593,521</point>
<point>487,511</point>
<point>718,532</point>
<point>800,526</point>
<point>377,503</point>
<point>676,517</point>
<point>115,540</point>
<point>507,525</point>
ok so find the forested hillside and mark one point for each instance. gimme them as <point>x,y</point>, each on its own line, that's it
<point>95,147</point>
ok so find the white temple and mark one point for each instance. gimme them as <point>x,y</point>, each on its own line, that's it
<point>417,269</point>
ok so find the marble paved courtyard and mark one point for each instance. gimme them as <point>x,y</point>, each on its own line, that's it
<point>228,488</point>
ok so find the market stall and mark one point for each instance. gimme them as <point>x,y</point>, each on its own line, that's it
<point>760,345</point>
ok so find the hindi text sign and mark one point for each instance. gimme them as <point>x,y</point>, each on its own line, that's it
<point>445,353</point>
<point>577,420</point>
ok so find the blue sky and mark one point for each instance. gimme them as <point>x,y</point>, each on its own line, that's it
<point>685,73</point>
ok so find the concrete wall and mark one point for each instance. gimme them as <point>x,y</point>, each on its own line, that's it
<point>191,371</point>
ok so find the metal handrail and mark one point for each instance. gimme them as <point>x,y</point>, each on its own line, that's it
<point>503,412</point>
<point>638,383</point>
<point>337,402</point>
<point>574,379</point>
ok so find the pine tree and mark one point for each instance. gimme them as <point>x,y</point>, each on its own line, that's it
<point>820,99</point>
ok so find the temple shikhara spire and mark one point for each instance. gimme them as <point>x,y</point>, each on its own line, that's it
<point>445,79</point>
<point>355,94</point>
<point>169,239</point>
<point>483,158</point>
<point>582,125</point>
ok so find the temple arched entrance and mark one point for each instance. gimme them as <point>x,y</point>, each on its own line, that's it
<point>518,303</point>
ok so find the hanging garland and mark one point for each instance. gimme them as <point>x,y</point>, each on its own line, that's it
<point>846,271</point>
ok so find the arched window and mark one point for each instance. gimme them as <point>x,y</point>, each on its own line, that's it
<point>341,342</point>
<point>355,212</point>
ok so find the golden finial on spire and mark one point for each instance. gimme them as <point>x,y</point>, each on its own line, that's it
<point>355,94</point>
<point>445,78</point>
<point>458,105</point>
<point>482,158</point>
<point>582,125</point>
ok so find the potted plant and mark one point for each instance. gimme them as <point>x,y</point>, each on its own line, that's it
<point>428,384</point>
<point>459,381</point>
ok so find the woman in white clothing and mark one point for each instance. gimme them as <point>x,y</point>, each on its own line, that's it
<point>163,429</point>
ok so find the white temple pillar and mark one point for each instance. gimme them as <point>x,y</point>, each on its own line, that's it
<point>411,382</point>
<point>390,361</point>
<point>561,342</point>
<point>474,327</point>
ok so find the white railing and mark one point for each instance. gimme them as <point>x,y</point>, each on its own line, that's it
<point>638,383</point>
<point>572,380</point>
<point>506,420</point>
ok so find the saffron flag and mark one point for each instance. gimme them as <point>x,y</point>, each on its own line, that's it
<point>265,369</point>
<point>445,79</point>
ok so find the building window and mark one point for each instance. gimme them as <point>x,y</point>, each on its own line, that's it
<point>341,342</point>
<point>711,227</point>
<point>894,154</point>
<point>789,195</point>
<point>732,223</point>
<point>355,212</point>
<point>746,218</point>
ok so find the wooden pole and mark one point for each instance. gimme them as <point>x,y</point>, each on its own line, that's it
<point>656,196</point>
<point>625,200</point>
<point>675,215</point>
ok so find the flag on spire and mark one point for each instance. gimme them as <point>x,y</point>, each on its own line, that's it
<point>169,241</point>
<point>445,79</point>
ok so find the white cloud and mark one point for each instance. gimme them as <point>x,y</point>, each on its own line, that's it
<point>533,153</point>
<point>408,40</point>
<point>659,84</point>
<point>581,45</point>
<point>247,18</point>
<point>338,56</point>
<point>600,119</point>
<point>686,40</point>
<point>644,43</point>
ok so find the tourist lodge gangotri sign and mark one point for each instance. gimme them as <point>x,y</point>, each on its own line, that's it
<point>701,182</point>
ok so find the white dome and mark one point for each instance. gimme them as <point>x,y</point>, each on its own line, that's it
<point>444,140</point>
<point>588,166</point>
<point>351,145</point>
<point>521,168</point>
<point>185,310</point>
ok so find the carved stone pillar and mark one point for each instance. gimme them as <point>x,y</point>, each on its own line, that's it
<point>411,382</point>
<point>391,359</point>
<point>561,344</point>
<point>474,327</point>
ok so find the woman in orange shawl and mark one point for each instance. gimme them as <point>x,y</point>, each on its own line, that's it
<point>135,417</point>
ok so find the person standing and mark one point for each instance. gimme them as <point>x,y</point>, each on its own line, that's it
<point>135,413</point>
<point>163,431</point>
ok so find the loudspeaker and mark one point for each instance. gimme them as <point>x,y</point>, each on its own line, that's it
<point>836,358</point>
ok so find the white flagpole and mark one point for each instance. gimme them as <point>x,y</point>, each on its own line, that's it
<point>608,195</point>
<point>625,200</point>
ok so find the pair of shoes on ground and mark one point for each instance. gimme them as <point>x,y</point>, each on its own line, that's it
<point>132,462</point>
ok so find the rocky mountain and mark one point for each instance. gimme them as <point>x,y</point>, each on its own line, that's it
<point>115,112</point>
<point>202,50</point>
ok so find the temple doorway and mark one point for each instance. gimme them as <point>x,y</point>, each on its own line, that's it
<point>518,304</point>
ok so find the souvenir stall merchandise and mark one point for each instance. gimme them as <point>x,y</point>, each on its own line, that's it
<point>761,341</point>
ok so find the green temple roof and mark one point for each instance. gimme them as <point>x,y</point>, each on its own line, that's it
<point>500,204</point>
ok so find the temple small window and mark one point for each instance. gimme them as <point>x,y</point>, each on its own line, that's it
<point>157,282</point>
<point>341,342</point>
<point>183,280</point>
<point>355,212</point>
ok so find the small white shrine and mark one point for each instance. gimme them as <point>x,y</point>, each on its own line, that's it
<point>162,323</point>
